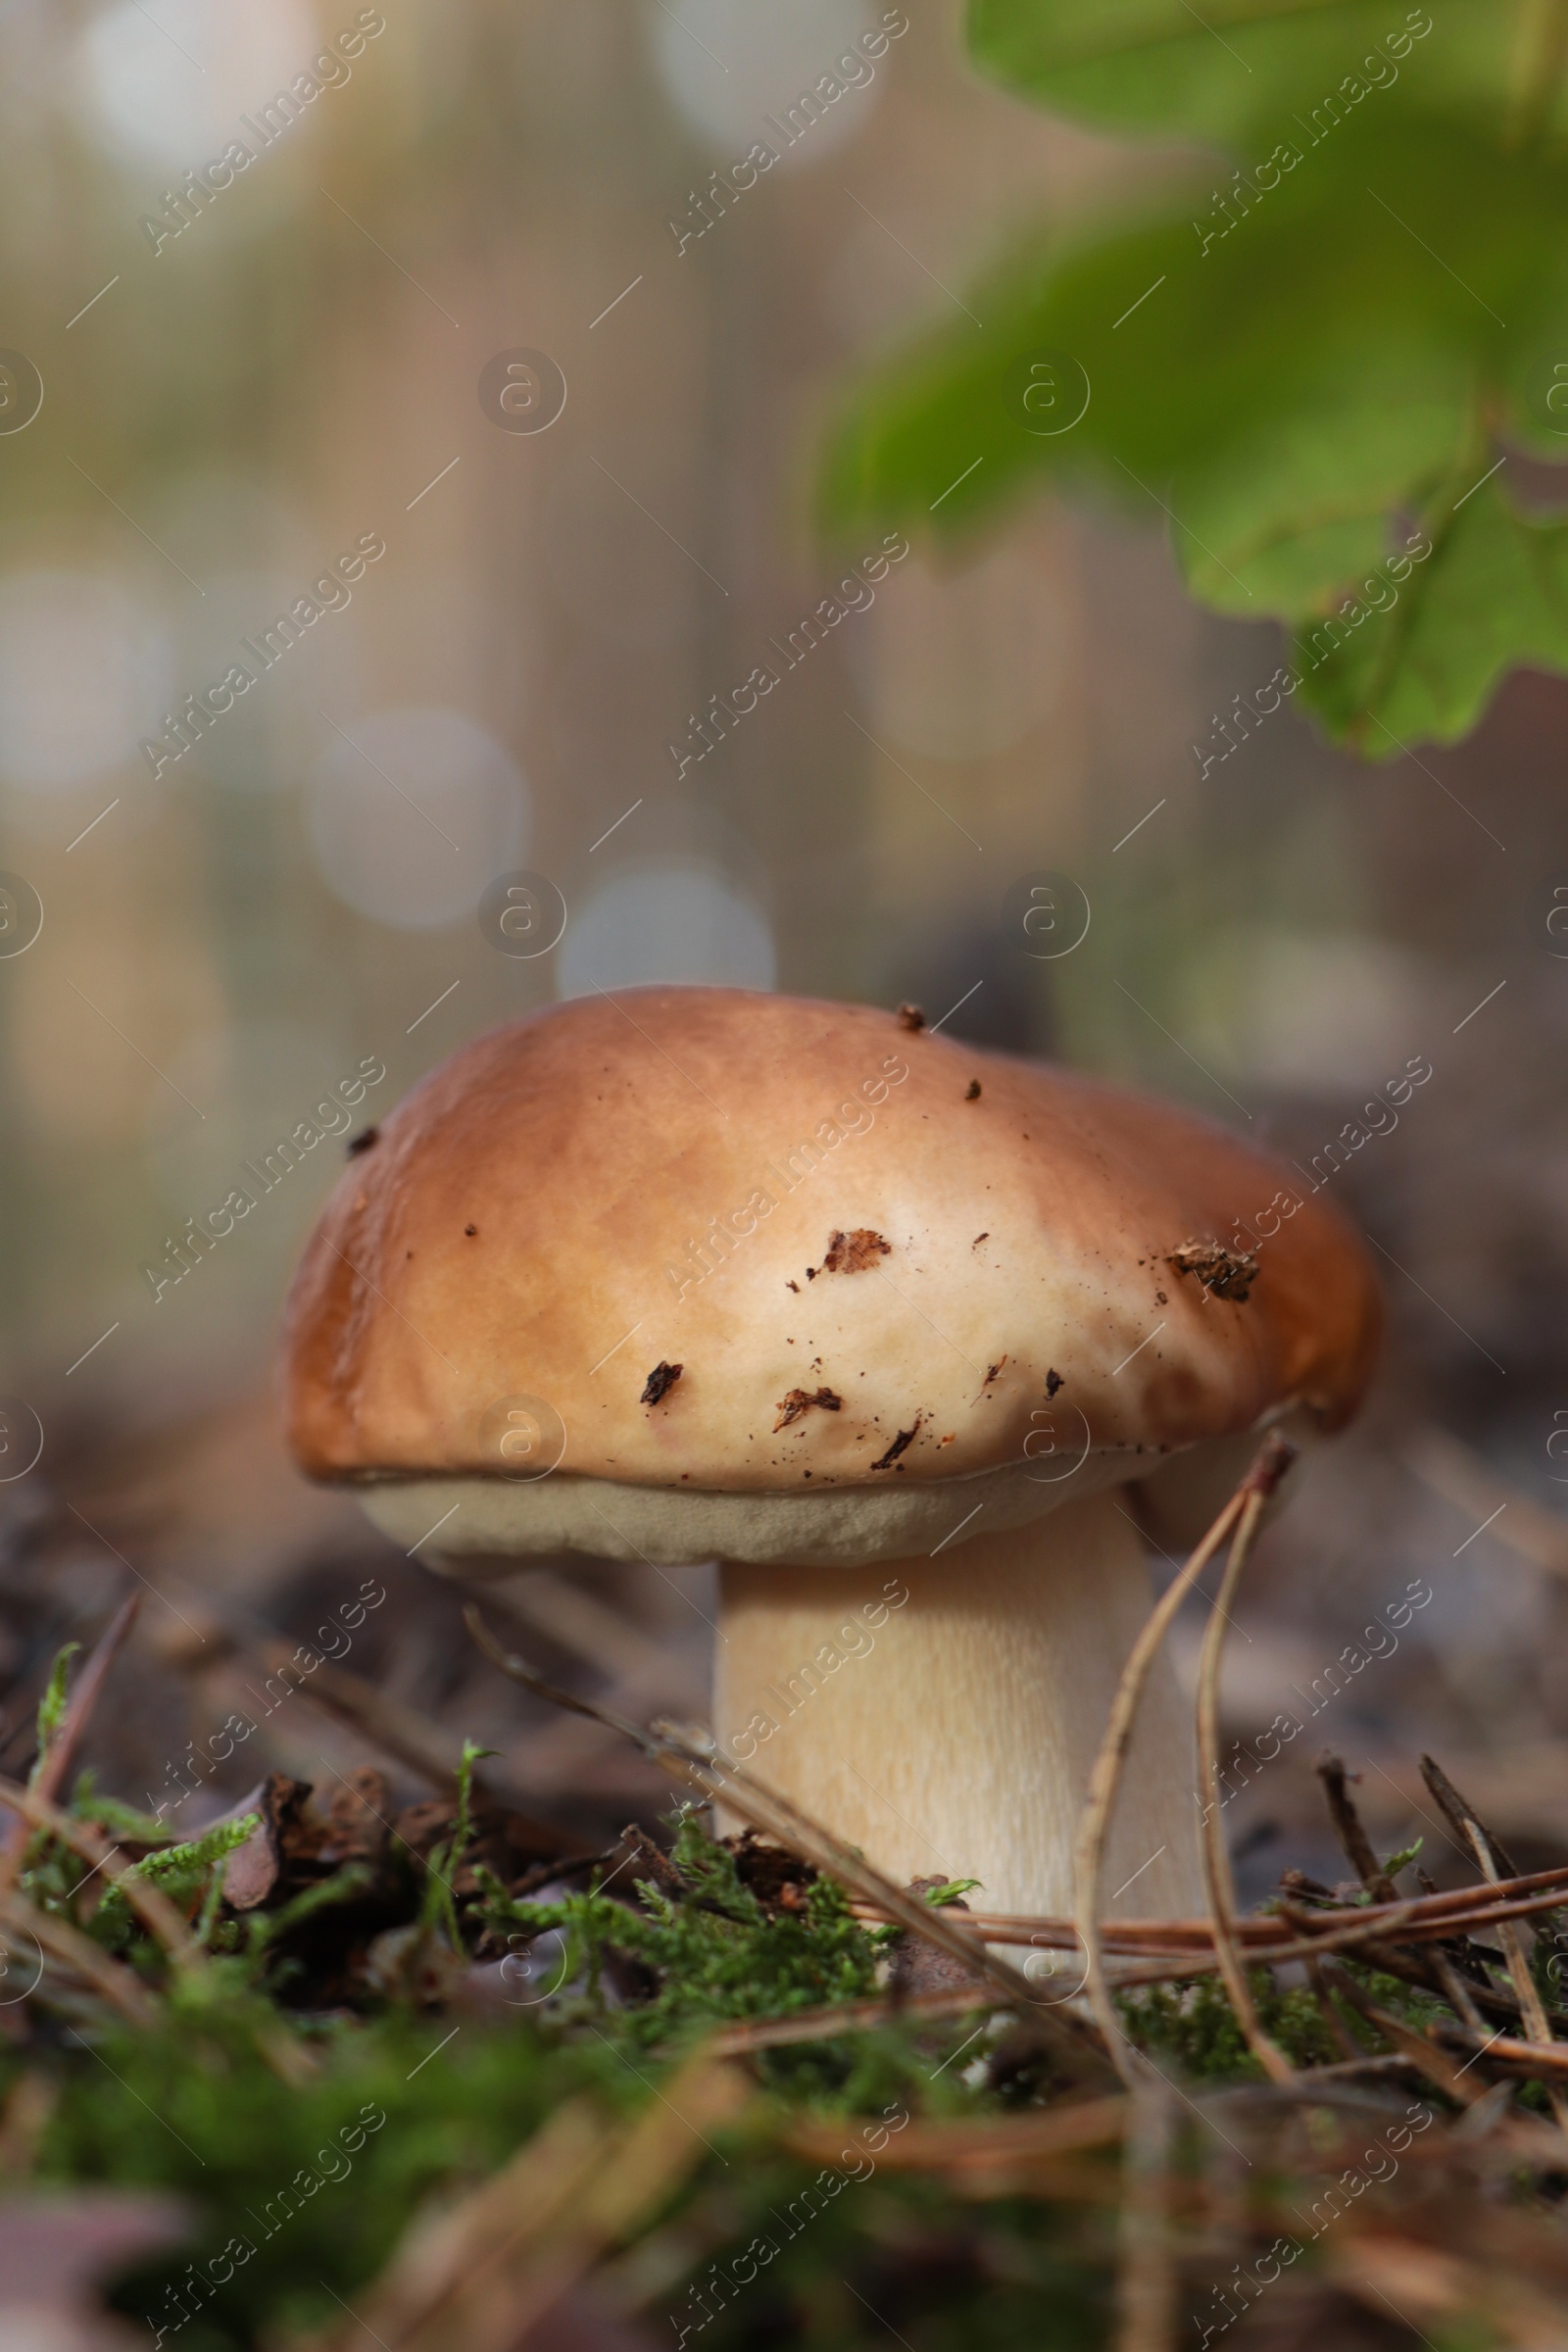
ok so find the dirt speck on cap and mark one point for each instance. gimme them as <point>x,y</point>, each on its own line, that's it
<point>1228,1273</point>
<point>801,1401</point>
<point>909,1016</point>
<point>972,1090</point>
<point>852,1252</point>
<point>1054,1381</point>
<point>905,1436</point>
<point>992,1370</point>
<point>661,1380</point>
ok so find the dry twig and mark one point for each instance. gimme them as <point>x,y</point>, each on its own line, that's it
<point>984,2146</point>
<point>1105,1778</point>
<point>1493,1864</point>
<point>1453,1470</point>
<point>1274,1460</point>
<point>152,1907</point>
<point>844,2016</point>
<point>58,1941</point>
<point>1147,2281</point>
<point>49,1772</point>
<point>480,2273</point>
<point>1435,2064</point>
<point>1358,1850</point>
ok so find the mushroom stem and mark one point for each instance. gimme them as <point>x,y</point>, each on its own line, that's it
<point>943,1713</point>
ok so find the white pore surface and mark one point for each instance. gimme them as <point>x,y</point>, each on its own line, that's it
<point>497,1519</point>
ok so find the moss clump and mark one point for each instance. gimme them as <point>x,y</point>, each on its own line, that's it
<point>1196,2025</point>
<point>717,1954</point>
<point>301,2182</point>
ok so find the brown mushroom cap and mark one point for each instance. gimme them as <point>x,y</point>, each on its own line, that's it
<point>757,1246</point>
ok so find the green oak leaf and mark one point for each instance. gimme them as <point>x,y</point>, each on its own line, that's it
<point>1277,520</point>
<point>1295,390</point>
<point>1492,596</point>
<point>1221,72</point>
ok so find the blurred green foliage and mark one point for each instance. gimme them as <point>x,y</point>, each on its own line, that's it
<point>1316,352</point>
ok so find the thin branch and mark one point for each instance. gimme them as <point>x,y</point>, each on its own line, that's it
<point>1330,1770</point>
<point>1435,2064</point>
<point>49,1774</point>
<point>1261,1480</point>
<point>1493,1864</point>
<point>846,2017</point>
<point>1147,2277</point>
<point>1344,2039</point>
<point>61,1943</point>
<point>1104,1779</point>
<point>152,1907</point>
<point>1418,1918</point>
<point>957,2144</point>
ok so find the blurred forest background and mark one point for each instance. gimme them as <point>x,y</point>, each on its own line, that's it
<point>230,408</point>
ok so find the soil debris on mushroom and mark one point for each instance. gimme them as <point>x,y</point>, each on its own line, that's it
<point>852,1252</point>
<point>661,1380</point>
<point>905,1436</point>
<point>801,1401</point>
<point>1229,1273</point>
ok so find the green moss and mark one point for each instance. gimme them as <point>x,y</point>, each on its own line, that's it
<point>52,1706</point>
<point>184,1873</point>
<point>715,1955</point>
<point>1196,2025</point>
<point>300,2188</point>
<point>848,2263</point>
<point>301,2172</point>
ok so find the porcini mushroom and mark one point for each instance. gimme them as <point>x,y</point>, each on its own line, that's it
<point>700,1274</point>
